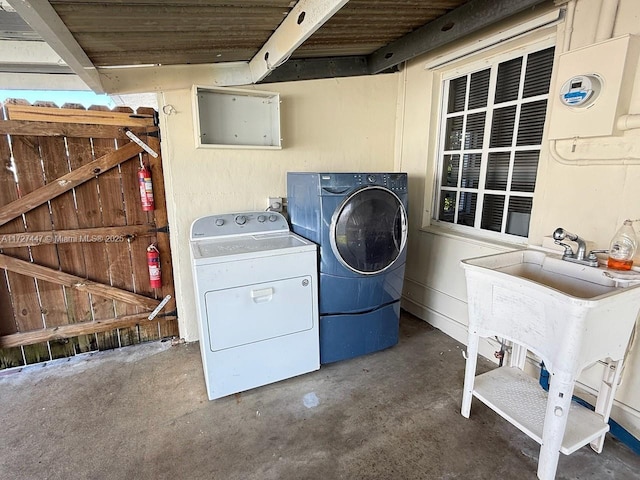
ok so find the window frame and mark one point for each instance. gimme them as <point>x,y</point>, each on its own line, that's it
<point>469,67</point>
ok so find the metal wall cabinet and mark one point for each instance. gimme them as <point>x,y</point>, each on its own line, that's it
<point>234,118</point>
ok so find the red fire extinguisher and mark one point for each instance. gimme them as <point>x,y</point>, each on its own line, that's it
<point>153,262</point>
<point>146,188</point>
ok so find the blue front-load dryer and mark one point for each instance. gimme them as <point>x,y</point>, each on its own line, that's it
<point>359,220</point>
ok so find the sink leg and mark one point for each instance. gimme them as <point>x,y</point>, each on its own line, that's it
<point>555,422</point>
<point>610,380</point>
<point>518,356</point>
<point>469,374</point>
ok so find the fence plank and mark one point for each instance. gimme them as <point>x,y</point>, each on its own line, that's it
<point>72,115</point>
<point>75,329</point>
<point>71,130</point>
<point>134,215</point>
<point>9,357</point>
<point>88,212</point>
<point>61,278</point>
<point>49,298</point>
<point>71,258</point>
<point>61,209</point>
<point>167,329</point>
<point>112,214</point>
<point>63,184</point>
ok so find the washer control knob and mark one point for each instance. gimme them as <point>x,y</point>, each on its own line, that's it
<point>261,218</point>
<point>273,218</point>
<point>219,222</point>
<point>241,220</point>
<point>371,178</point>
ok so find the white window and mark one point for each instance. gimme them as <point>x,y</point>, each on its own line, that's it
<point>492,121</point>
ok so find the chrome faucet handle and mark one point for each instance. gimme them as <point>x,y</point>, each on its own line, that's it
<point>568,251</point>
<point>592,253</point>
<point>560,234</point>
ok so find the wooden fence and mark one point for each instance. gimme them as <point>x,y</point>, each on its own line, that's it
<point>73,235</point>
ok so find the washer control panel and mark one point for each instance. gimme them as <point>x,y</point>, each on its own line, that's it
<point>244,223</point>
<point>396,182</point>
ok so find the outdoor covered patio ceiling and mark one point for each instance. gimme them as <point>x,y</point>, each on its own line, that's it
<point>249,41</point>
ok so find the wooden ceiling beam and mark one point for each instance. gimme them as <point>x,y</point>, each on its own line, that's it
<point>42,18</point>
<point>457,24</point>
<point>305,18</point>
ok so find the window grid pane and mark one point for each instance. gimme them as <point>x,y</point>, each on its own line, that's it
<point>479,89</point>
<point>504,121</point>
<point>498,170</point>
<point>471,170</point>
<point>508,82</point>
<point>450,170</point>
<point>492,212</point>
<point>518,216</point>
<point>467,208</point>
<point>493,130</point>
<point>525,170</point>
<point>453,140</point>
<point>447,210</point>
<point>457,94</point>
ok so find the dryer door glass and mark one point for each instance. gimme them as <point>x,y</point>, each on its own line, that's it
<point>369,230</point>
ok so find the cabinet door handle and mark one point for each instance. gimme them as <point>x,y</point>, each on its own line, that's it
<point>262,295</point>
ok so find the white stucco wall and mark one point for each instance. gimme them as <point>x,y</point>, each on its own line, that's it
<point>327,125</point>
<point>589,200</point>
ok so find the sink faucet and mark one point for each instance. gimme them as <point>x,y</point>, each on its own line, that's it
<point>579,256</point>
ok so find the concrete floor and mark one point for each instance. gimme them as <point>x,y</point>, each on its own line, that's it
<point>142,413</point>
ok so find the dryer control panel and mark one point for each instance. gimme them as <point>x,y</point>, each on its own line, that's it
<point>238,224</point>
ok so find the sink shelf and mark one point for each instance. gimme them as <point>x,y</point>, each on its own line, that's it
<point>519,399</point>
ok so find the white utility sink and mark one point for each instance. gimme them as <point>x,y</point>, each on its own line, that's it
<point>568,314</point>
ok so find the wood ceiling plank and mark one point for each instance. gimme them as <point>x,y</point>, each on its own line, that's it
<point>106,18</point>
<point>192,3</point>
<point>171,57</point>
<point>141,41</point>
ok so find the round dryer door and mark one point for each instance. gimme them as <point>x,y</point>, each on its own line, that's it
<point>369,230</point>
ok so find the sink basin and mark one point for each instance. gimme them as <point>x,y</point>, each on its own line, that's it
<point>550,271</point>
<point>569,314</point>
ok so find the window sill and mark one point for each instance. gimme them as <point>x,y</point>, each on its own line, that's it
<point>501,245</point>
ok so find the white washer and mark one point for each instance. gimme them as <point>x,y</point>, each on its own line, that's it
<point>257,295</point>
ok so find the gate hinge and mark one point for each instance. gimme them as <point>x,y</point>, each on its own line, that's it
<point>164,229</point>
